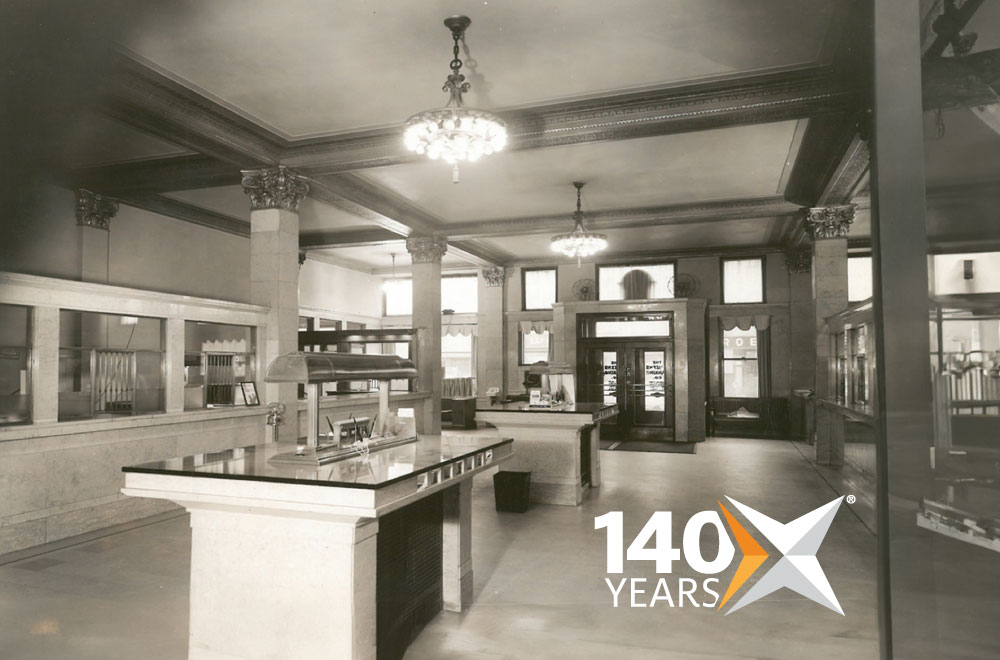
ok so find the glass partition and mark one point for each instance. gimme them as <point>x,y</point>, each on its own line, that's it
<point>109,364</point>
<point>15,365</point>
<point>217,359</point>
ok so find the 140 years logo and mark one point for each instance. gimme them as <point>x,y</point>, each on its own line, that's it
<point>797,569</point>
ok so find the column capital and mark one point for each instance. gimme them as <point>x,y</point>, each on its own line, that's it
<point>798,261</point>
<point>426,249</point>
<point>274,188</point>
<point>93,210</point>
<point>494,276</point>
<point>829,221</point>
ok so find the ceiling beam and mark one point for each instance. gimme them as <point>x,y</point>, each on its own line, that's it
<point>154,176</point>
<point>137,95</point>
<point>961,82</point>
<point>318,240</point>
<point>178,210</point>
<point>677,214</point>
<point>754,99</point>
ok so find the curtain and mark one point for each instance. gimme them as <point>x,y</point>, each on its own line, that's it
<point>463,329</point>
<point>759,321</point>
<point>764,374</point>
<point>535,326</point>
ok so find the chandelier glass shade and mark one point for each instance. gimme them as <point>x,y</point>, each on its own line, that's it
<point>579,243</point>
<point>455,133</point>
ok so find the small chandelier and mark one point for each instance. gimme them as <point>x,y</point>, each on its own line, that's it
<point>455,132</point>
<point>579,243</point>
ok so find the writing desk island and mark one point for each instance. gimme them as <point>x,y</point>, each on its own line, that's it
<point>560,446</point>
<point>346,560</point>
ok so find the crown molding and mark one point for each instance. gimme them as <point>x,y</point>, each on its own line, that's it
<point>626,218</point>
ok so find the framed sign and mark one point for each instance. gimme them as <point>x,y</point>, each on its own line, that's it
<point>250,393</point>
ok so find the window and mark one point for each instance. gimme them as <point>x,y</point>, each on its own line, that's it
<point>109,365</point>
<point>859,278</point>
<point>538,288</point>
<point>398,296</point>
<point>457,359</point>
<point>640,282</point>
<point>15,361</point>
<point>859,383</point>
<point>217,358</point>
<point>739,364</point>
<point>460,294</point>
<point>534,347</point>
<point>743,280</point>
<point>840,349</point>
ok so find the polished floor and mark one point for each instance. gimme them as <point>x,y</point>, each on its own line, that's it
<point>539,577</point>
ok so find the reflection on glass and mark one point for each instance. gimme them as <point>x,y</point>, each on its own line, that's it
<point>609,377</point>
<point>739,363</point>
<point>654,373</point>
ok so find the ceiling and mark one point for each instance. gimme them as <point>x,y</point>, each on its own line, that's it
<point>695,125</point>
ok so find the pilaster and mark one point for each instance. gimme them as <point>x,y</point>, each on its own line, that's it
<point>44,364</point>
<point>275,194</point>
<point>426,253</point>
<point>93,217</point>
<point>174,364</point>
<point>828,226</point>
<point>490,350</point>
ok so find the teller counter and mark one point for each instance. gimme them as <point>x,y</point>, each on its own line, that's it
<point>560,446</point>
<point>347,560</point>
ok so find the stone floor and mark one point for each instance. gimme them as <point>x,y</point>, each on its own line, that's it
<point>539,577</point>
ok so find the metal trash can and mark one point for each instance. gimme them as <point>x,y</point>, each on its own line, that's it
<point>512,491</point>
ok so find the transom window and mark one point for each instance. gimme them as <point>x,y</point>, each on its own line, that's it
<point>859,278</point>
<point>635,282</point>
<point>743,280</point>
<point>538,288</point>
<point>460,294</point>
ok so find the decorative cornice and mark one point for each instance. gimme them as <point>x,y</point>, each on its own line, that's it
<point>798,261</point>
<point>494,276</point>
<point>629,218</point>
<point>426,249</point>
<point>678,108</point>
<point>274,188</point>
<point>93,210</point>
<point>829,221</point>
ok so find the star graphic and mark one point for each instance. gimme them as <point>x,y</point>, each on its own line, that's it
<point>798,569</point>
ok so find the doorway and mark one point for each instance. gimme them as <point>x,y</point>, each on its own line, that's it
<point>634,372</point>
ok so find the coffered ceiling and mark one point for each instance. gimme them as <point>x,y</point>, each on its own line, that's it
<point>702,124</point>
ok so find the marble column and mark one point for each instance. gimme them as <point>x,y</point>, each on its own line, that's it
<point>490,350</point>
<point>93,217</point>
<point>828,227</point>
<point>802,340</point>
<point>426,253</point>
<point>275,194</point>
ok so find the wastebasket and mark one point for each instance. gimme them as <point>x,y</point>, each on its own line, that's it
<point>511,491</point>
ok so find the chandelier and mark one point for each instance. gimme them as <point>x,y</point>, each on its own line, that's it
<point>579,243</point>
<point>455,133</point>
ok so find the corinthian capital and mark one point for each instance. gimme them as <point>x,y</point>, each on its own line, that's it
<point>426,249</point>
<point>829,221</point>
<point>274,188</point>
<point>494,276</point>
<point>798,261</point>
<point>93,210</point>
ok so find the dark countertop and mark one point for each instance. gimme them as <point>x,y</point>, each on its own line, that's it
<point>522,406</point>
<point>379,469</point>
